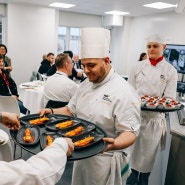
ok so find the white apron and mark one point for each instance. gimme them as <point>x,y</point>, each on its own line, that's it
<point>102,169</point>
<point>152,131</point>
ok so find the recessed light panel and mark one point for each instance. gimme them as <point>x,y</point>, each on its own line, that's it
<point>117,13</point>
<point>61,5</point>
<point>160,5</point>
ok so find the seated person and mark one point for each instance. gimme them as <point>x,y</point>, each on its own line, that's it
<point>75,74</point>
<point>46,63</point>
<point>76,62</point>
<point>46,167</point>
<point>7,61</point>
<point>8,87</point>
<point>58,86</point>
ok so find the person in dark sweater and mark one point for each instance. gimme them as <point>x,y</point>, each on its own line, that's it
<point>47,63</point>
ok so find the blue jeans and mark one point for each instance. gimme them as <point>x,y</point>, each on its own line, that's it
<point>23,109</point>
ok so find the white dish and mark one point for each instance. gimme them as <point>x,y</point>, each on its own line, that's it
<point>3,137</point>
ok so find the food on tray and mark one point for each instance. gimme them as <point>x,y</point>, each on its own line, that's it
<point>49,140</point>
<point>151,105</point>
<point>64,124</point>
<point>75,132</point>
<point>159,103</point>
<point>84,142</point>
<point>38,121</point>
<point>28,138</point>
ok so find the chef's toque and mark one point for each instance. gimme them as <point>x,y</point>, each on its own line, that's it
<point>95,43</point>
<point>156,38</point>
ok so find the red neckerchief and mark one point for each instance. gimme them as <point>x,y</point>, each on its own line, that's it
<point>5,79</point>
<point>155,62</point>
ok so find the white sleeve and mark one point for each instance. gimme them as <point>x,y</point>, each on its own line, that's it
<point>44,168</point>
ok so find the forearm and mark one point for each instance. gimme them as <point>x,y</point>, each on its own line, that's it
<point>124,140</point>
<point>63,111</point>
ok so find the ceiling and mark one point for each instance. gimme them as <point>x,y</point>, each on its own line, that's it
<point>98,7</point>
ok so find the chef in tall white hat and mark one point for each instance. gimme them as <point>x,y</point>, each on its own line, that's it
<point>95,45</point>
<point>109,102</point>
<point>153,77</point>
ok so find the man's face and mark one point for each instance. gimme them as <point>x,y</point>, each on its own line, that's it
<point>76,58</point>
<point>95,69</point>
<point>155,50</point>
<point>51,58</point>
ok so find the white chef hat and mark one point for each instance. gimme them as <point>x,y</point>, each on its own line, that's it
<point>156,38</point>
<point>95,43</point>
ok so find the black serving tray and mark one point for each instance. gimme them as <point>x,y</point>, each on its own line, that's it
<point>159,109</point>
<point>36,146</point>
<point>35,130</point>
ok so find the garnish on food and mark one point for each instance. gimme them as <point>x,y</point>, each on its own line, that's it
<point>64,124</point>
<point>28,138</point>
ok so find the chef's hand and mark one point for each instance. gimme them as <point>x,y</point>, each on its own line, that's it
<point>10,120</point>
<point>70,146</point>
<point>111,144</point>
<point>42,112</point>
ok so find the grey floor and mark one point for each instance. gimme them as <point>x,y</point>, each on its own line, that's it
<point>67,175</point>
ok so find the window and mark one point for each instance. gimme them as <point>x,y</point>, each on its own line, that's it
<point>69,39</point>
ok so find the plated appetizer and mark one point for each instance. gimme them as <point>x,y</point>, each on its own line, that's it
<point>75,132</point>
<point>49,140</point>
<point>28,138</point>
<point>64,124</point>
<point>38,121</point>
<point>84,142</point>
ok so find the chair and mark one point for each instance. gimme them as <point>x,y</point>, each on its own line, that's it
<point>36,76</point>
<point>56,104</point>
<point>10,104</point>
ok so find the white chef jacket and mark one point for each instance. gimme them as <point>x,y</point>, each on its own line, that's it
<point>114,106</point>
<point>45,168</point>
<point>159,80</point>
<point>59,87</point>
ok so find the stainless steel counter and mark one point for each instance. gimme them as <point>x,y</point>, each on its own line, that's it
<point>175,174</point>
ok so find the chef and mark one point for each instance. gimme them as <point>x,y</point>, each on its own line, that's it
<point>154,77</point>
<point>107,100</point>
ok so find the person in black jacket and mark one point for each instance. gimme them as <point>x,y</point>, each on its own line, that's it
<point>8,87</point>
<point>47,63</point>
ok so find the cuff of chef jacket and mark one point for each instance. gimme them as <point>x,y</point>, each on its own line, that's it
<point>62,142</point>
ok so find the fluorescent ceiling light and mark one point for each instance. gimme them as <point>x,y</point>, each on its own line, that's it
<point>160,5</point>
<point>61,5</point>
<point>117,13</point>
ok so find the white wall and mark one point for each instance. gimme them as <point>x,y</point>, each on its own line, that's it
<point>79,20</point>
<point>170,25</point>
<point>31,32</point>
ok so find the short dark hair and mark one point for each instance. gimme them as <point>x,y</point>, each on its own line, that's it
<point>50,54</point>
<point>70,53</point>
<point>61,59</point>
